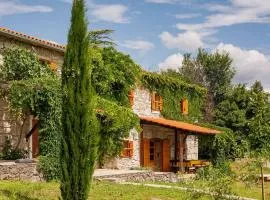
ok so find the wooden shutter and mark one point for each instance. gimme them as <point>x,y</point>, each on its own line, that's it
<point>166,155</point>
<point>131,97</point>
<point>156,102</point>
<point>160,103</point>
<point>184,106</point>
<point>146,152</point>
<point>53,66</point>
<point>153,105</point>
<point>35,143</point>
<point>130,147</point>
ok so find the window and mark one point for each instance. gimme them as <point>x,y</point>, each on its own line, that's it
<point>184,106</point>
<point>131,97</point>
<point>52,65</point>
<point>156,102</point>
<point>127,151</point>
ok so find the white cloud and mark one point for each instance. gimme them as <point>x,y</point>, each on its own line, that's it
<point>187,15</point>
<point>250,65</point>
<point>138,45</point>
<point>160,1</point>
<point>110,13</point>
<point>174,61</point>
<point>14,7</point>
<point>238,12</point>
<point>188,41</point>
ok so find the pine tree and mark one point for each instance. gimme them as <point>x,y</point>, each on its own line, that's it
<point>80,131</point>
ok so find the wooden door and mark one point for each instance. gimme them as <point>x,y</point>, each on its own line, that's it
<point>166,154</point>
<point>35,139</point>
<point>146,152</point>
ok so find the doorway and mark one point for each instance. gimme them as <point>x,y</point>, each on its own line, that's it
<point>156,154</point>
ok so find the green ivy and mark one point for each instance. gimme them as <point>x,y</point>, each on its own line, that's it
<point>20,64</point>
<point>173,90</point>
<point>116,122</point>
<point>34,89</point>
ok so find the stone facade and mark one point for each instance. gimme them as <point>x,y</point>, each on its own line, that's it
<point>45,54</point>
<point>13,128</point>
<point>191,148</point>
<point>20,171</point>
<point>142,107</point>
<point>142,103</point>
<point>9,125</point>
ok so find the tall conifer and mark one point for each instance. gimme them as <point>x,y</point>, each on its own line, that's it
<point>80,134</point>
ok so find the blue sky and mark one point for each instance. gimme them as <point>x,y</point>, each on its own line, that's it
<point>156,33</point>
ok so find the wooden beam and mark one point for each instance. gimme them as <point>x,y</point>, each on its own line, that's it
<point>175,145</point>
<point>182,146</point>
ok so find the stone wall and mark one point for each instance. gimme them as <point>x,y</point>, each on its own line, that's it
<point>20,171</point>
<point>192,148</point>
<point>43,53</point>
<point>142,103</point>
<point>12,128</point>
<point>143,176</point>
<point>127,163</point>
<point>9,126</point>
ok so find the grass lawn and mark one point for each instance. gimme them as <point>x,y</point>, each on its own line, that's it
<point>100,191</point>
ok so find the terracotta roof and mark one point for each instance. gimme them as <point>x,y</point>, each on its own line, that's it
<point>31,39</point>
<point>180,125</point>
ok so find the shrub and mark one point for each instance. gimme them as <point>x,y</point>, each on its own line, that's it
<point>9,153</point>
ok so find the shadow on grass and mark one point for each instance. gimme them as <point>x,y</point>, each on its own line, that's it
<point>16,196</point>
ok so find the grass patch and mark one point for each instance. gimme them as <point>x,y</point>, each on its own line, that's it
<point>100,191</point>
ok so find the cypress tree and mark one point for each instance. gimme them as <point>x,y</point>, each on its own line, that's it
<point>80,130</point>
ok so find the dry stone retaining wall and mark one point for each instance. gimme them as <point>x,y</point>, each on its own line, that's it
<point>20,171</point>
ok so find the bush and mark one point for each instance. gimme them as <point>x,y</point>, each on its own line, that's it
<point>9,153</point>
<point>50,167</point>
<point>217,179</point>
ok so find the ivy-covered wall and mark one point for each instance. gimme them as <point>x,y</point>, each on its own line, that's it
<point>173,90</point>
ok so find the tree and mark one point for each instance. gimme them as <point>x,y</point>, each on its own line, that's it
<point>247,113</point>
<point>101,37</point>
<point>79,142</point>
<point>213,71</point>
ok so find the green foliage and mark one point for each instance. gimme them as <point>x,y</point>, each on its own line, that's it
<point>79,141</point>
<point>116,122</point>
<point>247,113</point>
<point>99,38</point>
<point>42,98</point>
<point>218,180</point>
<point>9,153</point>
<point>214,71</point>
<point>21,64</point>
<point>34,89</point>
<point>173,90</point>
<point>114,74</point>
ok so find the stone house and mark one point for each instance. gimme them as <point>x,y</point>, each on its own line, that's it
<point>11,127</point>
<point>162,145</point>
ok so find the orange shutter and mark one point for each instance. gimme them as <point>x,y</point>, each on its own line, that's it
<point>35,143</point>
<point>156,102</point>
<point>166,155</point>
<point>160,103</point>
<point>53,66</point>
<point>153,105</point>
<point>130,146</point>
<point>131,98</point>
<point>146,152</point>
<point>184,106</point>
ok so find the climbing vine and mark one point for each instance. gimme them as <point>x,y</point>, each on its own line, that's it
<point>36,91</point>
<point>39,94</point>
<point>173,90</point>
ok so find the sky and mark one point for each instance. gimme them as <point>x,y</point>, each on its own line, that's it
<point>156,33</point>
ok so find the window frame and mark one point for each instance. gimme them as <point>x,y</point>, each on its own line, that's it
<point>156,102</point>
